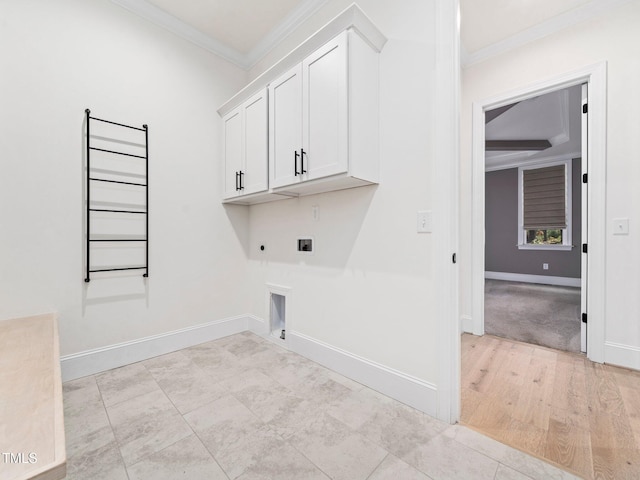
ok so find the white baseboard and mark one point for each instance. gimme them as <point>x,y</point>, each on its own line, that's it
<point>466,324</point>
<point>100,359</point>
<point>404,388</point>
<point>622,355</point>
<point>257,325</point>
<point>525,278</point>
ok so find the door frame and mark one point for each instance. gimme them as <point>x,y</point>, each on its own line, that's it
<point>446,180</point>
<point>596,78</point>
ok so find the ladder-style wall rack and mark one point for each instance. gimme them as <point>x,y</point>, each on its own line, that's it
<point>92,178</point>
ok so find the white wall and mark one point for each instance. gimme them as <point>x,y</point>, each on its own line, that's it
<point>614,38</point>
<point>368,289</point>
<point>59,58</point>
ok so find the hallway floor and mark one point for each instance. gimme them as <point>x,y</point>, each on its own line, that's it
<point>242,407</point>
<point>559,406</point>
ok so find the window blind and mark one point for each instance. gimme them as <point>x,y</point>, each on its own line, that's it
<point>544,198</point>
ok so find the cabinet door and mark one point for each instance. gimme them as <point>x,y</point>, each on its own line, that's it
<point>325,110</point>
<point>255,165</point>
<point>285,129</point>
<point>232,151</point>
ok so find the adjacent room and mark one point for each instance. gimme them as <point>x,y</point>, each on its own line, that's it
<point>248,239</point>
<point>533,212</point>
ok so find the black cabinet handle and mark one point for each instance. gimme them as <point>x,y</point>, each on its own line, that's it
<point>302,153</point>
<point>241,180</point>
<point>237,177</point>
<point>295,162</point>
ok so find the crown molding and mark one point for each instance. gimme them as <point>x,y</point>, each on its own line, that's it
<point>544,29</point>
<point>350,18</point>
<point>288,24</point>
<point>156,15</point>
<point>161,18</point>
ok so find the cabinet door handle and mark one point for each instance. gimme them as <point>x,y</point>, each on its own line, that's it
<point>241,180</point>
<point>302,153</point>
<point>237,188</point>
<point>295,162</point>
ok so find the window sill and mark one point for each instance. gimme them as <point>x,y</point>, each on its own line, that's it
<point>559,248</point>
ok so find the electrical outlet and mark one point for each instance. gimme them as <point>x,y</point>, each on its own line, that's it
<point>545,266</point>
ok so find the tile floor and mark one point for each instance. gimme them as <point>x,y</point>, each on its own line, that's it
<point>243,408</point>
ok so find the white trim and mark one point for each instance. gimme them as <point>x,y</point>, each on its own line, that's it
<point>596,77</point>
<point>527,278</point>
<point>544,29</point>
<point>553,248</point>
<point>164,20</point>
<point>350,18</point>
<point>404,388</point>
<point>627,356</point>
<point>286,292</point>
<point>446,214</point>
<point>293,20</point>
<point>568,206</point>
<point>100,359</point>
<point>534,161</point>
<point>466,323</point>
<point>257,325</point>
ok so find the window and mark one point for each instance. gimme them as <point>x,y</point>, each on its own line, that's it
<point>544,206</point>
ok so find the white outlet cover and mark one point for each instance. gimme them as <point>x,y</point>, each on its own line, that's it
<point>425,221</point>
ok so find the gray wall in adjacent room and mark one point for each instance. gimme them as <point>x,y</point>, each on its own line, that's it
<point>501,227</point>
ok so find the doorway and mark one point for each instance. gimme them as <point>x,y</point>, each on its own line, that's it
<point>534,220</point>
<point>594,158</point>
<point>539,363</point>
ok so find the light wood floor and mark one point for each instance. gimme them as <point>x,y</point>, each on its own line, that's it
<point>558,406</point>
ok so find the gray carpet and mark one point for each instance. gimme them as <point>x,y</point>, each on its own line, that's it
<point>544,315</point>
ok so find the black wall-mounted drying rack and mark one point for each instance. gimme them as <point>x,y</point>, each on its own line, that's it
<point>91,178</point>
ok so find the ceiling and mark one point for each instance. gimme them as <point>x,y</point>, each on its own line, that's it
<point>240,24</point>
<point>485,22</point>
<point>243,31</point>
<point>492,27</point>
<point>555,117</point>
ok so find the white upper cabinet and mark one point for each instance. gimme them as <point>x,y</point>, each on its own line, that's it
<point>308,117</point>
<point>323,118</point>
<point>325,110</point>
<point>245,147</point>
<point>232,152</point>
<point>285,127</point>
